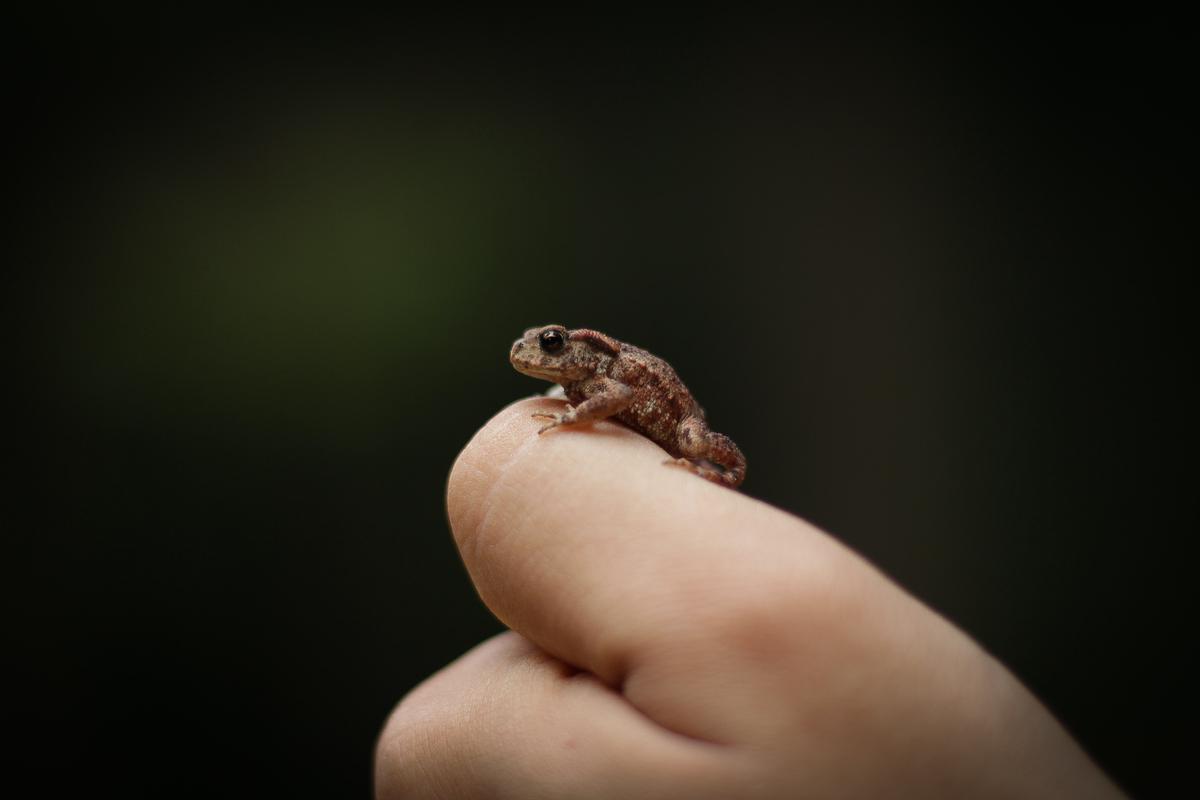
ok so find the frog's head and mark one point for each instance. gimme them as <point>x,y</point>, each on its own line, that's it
<point>553,354</point>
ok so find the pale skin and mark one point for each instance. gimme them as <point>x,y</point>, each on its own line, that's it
<point>670,638</point>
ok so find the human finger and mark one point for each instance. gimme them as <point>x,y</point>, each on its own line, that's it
<point>507,720</point>
<point>583,541</point>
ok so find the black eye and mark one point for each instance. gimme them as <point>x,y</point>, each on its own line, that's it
<point>552,341</point>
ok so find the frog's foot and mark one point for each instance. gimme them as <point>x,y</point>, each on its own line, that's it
<point>555,419</point>
<point>705,469</point>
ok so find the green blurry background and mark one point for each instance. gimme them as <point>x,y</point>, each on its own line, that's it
<point>266,281</point>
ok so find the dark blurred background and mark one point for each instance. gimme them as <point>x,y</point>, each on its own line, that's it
<point>266,273</point>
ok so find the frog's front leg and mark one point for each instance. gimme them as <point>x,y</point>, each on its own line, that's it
<point>605,397</point>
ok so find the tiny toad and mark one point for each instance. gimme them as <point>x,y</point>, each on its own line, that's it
<point>606,378</point>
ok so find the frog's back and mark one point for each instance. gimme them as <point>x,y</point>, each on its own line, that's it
<point>660,399</point>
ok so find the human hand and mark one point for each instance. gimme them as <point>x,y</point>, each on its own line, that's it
<point>673,638</point>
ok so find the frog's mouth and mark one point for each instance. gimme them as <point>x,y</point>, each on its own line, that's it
<point>534,372</point>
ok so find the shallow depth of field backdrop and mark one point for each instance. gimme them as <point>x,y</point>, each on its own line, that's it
<point>266,283</point>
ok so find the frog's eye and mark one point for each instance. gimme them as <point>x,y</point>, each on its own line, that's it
<point>552,341</point>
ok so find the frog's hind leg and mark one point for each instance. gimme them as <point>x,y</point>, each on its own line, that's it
<point>702,448</point>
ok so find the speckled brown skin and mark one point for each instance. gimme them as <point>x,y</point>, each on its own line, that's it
<point>606,378</point>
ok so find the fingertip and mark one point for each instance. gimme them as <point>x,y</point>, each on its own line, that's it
<point>513,435</point>
<point>487,453</point>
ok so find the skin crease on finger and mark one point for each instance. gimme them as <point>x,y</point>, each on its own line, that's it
<point>669,589</point>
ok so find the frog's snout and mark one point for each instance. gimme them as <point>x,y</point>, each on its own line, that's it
<point>512,353</point>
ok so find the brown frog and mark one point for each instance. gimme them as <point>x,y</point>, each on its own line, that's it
<point>603,377</point>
